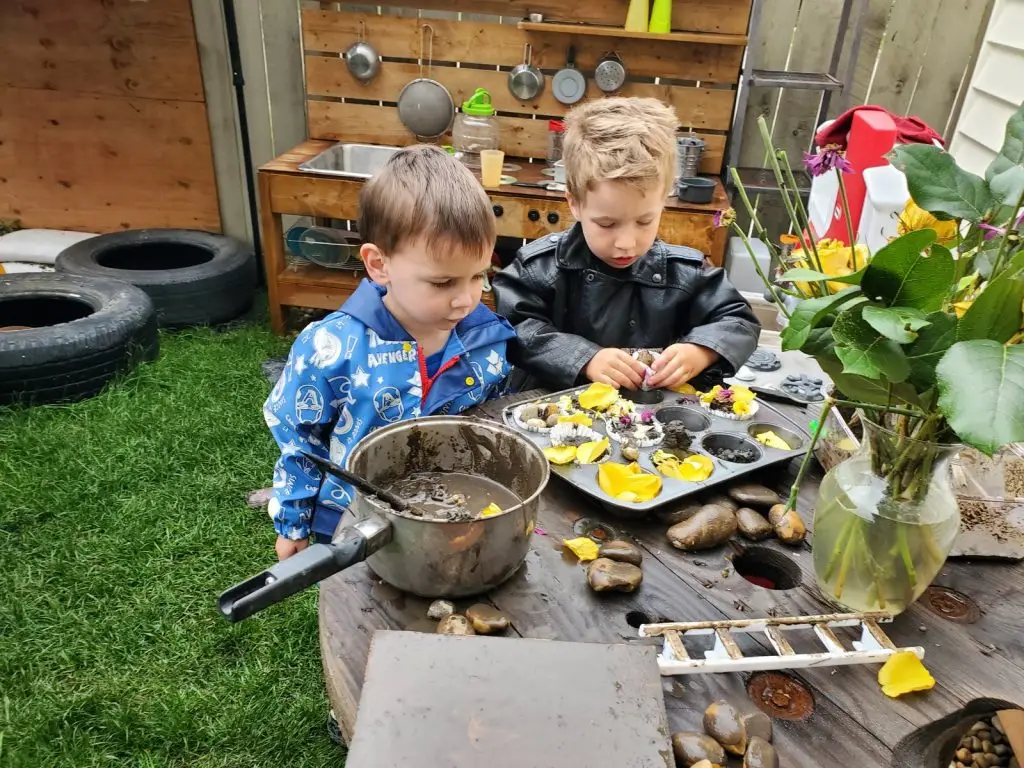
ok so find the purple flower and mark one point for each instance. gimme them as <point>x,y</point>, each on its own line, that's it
<point>991,233</point>
<point>539,531</point>
<point>647,417</point>
<point>723,218</point>
<point>828,158</point>
<point>626,420</point>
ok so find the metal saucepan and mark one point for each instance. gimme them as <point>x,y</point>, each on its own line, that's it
<point>427,558</point>
<point>525,81</point>
<point>425,106</point>
<point>362,59</point>
<point>568,85</point>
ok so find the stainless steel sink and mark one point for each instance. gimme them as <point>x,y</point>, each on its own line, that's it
<point>353,161</point>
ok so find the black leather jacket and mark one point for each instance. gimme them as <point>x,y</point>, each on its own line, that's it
<point>566,304</point>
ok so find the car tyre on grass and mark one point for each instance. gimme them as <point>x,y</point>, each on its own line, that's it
<point>193,277</point>
<point>63,337</point>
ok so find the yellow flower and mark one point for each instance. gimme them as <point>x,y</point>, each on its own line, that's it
<point>708,396</point>
<point>915,218</point>
<point>560,454</point>
<point>628,482</point>
<point>576,418</point>
<point>772,440</point>
<point>588,453</point>
<point>599,397</point>
<point>961,307</point>
<point>685,389</point>
<point>742,394</point>
<point>836,261</point>
<point>904,673</point>
<point>741,408</point>
<point>491,510</point>
<point>693,469</point>
<point>584,548</point>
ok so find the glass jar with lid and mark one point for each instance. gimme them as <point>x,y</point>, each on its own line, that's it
<point>556,139</point>
<point>476,128</point>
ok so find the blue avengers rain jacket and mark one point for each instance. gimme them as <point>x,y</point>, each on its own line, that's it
<point>358,370</point>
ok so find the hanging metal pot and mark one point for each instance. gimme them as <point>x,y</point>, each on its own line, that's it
<point>362,59</point>
<point>526,81</point>
<point>425,106</point>
<point>568,85</point>
<point>610,73</point>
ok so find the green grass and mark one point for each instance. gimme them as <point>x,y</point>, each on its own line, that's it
<point>121,518</point>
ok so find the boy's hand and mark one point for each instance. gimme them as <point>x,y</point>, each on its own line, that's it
<point>288,547</point>
<point>613,366</point>
<point>679,363</point>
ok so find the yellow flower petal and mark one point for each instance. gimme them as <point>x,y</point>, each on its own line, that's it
<point>915,218</point>
<point>904,673</point>
<point>588,453</point>
<point>741,408</point>
<point>585,549</point>
<point>708,396</point>
<point>561,454</point>
<point>576,418</point>
<point>628,482</point>
<point>696,468</point>
<point>491,510</point>
<point>772,440</point>
<point>685,389</point>
<point>742,394</point>
<point>599,397</point>
<point>961,307</point>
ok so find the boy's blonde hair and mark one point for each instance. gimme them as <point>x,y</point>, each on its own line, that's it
<point>632,140</point>
<point>422,191</point>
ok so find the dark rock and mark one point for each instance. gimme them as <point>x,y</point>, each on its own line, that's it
<point>760,754</point>
<point>707,529</point>
<point>621,551</point>
<point>754,495</point>
<point>486,619</point>
<point>752,524</point>
<point>721,500</point>
<point>691,747</point>
<point>604,575</point>
<point>676,515</point>
<point>723,723</point>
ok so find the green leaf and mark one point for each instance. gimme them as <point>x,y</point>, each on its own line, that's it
<point>902,275</point>
<point>1001,175</point>
<point>820,343</point>
<point>864,390</point>
<point>897,323</point>
<point>929,347</point>
<point>1008,186</point>
<point>981,393</point>
<point>809,313</point>
<point>866,352</point>
<point>801,275</point>
<point>939,185</point>
<point>995,314</point>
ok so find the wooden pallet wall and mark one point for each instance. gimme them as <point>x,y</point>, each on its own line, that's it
<point>698,79</point>
<point>103,123</point>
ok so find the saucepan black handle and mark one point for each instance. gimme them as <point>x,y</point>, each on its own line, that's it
<point>302,570</point>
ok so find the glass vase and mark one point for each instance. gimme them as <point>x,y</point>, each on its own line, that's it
<point>886,519</point>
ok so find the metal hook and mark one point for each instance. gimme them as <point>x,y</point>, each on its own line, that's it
<point>362,30</point>
<point>430,47</point>
<point>528,53</point>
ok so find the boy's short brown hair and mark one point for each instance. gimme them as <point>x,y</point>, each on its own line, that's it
<point>423,191</point>
<point>632,140</point>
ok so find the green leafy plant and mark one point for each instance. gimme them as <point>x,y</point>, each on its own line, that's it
<point>925,335</point>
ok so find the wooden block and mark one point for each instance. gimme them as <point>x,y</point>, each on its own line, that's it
<point>105,163</point>
<point>520,137</point>
<point>483,43</point>
<point>708,108</point>
<point>435,700</point>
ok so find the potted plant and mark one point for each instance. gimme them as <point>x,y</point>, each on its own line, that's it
<point>923,338</point>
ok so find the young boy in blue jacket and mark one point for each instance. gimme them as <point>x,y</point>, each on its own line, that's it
<point>412,340</point>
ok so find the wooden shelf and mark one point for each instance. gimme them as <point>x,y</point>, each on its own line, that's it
<point>708,38</point>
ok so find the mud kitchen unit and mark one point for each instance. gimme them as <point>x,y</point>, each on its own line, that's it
<point>695,69</point>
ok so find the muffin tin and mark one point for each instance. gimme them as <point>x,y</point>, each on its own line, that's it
<point>706,428</point>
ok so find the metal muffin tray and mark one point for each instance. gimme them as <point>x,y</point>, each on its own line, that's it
<point>706,428</point>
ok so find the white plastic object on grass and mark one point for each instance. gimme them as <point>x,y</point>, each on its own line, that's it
<point>38,246</point>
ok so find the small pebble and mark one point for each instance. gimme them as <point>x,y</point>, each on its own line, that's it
<point>486,619</point>
<point>604,575</point>
<point>439,609</point>
<point>456,624</point>
<point>963,755</point>
<point>978,726</point>
<point>923,628</point>
<point>621,551</point>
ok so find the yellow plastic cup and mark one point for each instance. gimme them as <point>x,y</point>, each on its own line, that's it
<point>491,162</point>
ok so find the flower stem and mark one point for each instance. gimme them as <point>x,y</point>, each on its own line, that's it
<point>849,221</point>
<point>840,546</point>
<point>1006,239</point>
<point>757,265</point>
<point>888,409</point>
<point>908,561</point>
<point>794,489</point>
<point>762,234</point>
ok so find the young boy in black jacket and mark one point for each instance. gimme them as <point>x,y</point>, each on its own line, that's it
<point>579,299</point>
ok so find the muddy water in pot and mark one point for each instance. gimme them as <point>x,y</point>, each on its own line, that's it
<point>452,497</point>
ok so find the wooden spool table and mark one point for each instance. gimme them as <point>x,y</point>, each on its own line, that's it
<point>839,717</point>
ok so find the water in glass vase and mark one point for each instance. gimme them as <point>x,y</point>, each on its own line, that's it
<point>875,554</point>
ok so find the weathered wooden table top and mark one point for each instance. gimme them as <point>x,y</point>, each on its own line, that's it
<point>972,654</point>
